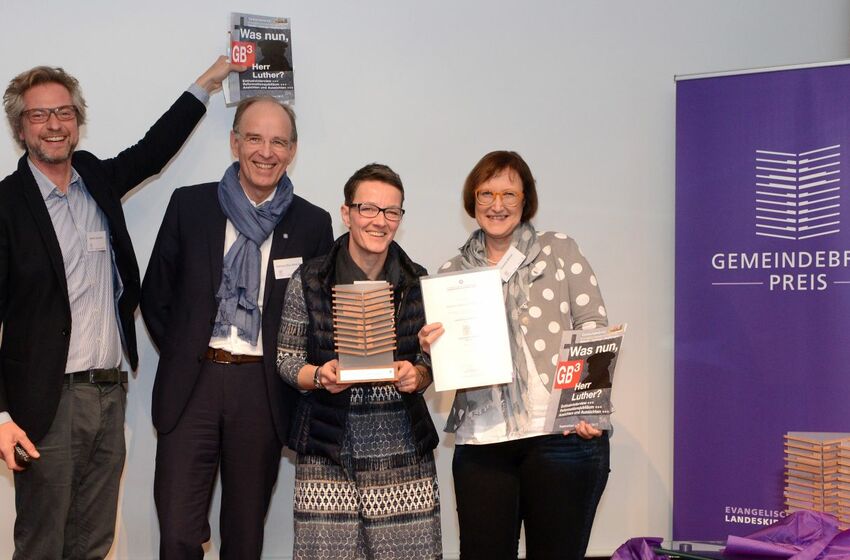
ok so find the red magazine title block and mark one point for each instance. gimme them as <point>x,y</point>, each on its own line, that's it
<point>568,374</point>
<point>243,52</point>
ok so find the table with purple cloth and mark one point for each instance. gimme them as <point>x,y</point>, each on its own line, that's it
<point>802,535</point>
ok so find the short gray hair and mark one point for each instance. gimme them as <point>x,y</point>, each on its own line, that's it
<point>245,103</point>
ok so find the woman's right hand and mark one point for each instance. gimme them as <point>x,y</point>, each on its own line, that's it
<point>328,377</point>
<point>428,334</point>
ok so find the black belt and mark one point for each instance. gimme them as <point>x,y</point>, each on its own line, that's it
<point>110,375</point>
<point>219,356</point>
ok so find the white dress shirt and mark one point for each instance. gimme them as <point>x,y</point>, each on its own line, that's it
<point>232,343</point>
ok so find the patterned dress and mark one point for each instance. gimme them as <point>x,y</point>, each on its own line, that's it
<point>381,501</point>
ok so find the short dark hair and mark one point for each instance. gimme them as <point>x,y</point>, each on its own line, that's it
<point>245,103</point>
<point>13,99</point>
<point>372,172</point>
<point>491,165</point>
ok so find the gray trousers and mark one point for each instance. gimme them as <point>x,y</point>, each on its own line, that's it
<point>67,500</point>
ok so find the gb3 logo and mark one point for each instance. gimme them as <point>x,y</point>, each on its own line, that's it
<point>568,374</point>
<point>243,52</point>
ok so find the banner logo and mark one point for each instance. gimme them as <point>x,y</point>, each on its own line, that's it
<point>798,198</point>
<point>797,195</point>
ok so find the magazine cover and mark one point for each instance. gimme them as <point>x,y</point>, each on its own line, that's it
<point>584,377</point>
<point>264,44</point>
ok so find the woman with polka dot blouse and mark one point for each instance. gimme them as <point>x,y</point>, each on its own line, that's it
<point>508,470</point>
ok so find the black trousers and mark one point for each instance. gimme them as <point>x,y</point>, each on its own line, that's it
<point>227,423</point>
<point>550,483</point>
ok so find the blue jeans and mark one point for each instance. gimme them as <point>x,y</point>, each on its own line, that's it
<point>550,483</point>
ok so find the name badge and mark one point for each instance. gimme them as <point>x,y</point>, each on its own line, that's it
<point>283,268</point>
<point>510,262</point>
<point>96,241</point>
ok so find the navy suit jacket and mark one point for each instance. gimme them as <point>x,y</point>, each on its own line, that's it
<point>182,279</point>
<point>34,307</point>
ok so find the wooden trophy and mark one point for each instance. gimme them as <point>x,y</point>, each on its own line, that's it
<point>364,331</point>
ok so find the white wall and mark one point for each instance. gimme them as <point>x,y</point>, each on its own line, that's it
<point>583,90</point>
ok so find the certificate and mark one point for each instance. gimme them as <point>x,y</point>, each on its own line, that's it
<point>474,350</point>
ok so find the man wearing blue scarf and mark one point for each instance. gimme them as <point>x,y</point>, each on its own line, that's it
<point>212,299</point>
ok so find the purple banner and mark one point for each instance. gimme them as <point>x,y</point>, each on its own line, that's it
<point>762,340</point>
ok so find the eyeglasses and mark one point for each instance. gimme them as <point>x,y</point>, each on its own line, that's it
<point>369,210</point>
<point>508,198</point>
<point>63,113</point>
<point>255,140</point>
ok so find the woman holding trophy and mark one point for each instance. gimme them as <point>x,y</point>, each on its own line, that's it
<point>365,479</point>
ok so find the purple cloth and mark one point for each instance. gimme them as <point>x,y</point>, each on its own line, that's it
<point>839,547</point>
<point>803,535</point>
<point>640,548</point>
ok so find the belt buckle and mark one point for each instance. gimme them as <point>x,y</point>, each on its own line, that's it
<point>216,359</point>
<point>91,377</point>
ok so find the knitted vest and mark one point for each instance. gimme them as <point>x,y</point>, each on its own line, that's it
<point>321,417</point>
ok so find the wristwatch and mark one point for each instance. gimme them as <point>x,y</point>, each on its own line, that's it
<point>317,381</point>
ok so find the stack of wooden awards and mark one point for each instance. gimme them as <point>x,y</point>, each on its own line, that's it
<point>364,331</point>
<point>842,484</point>
<point>817,473</point>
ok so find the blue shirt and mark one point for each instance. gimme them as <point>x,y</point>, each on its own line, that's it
<point>94,285</point>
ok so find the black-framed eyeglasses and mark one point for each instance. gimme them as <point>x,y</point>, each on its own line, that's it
<point>488,198</point>
<point>369,210</point>
<point>42,115</point>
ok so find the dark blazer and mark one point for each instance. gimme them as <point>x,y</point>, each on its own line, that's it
<point>34,306</point>
<point>178,295</point>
